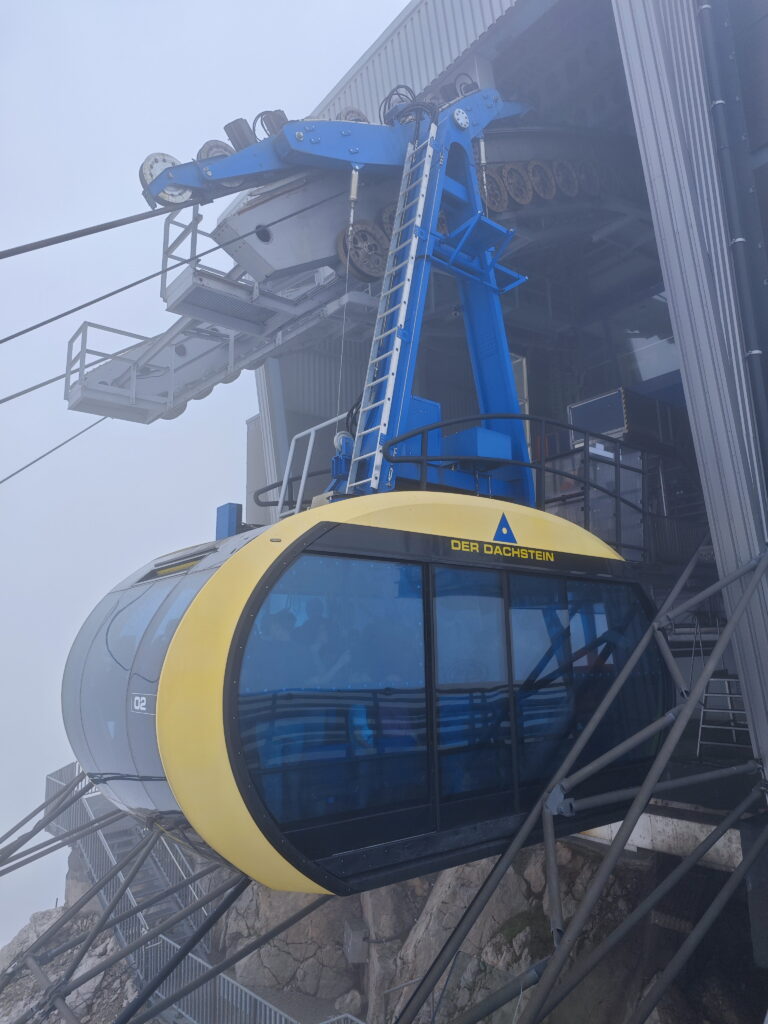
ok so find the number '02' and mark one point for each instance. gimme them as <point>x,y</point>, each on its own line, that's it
<point>139,703</point>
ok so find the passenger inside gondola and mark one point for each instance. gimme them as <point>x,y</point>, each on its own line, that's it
<point>344,727</point>
<point>335,687</point>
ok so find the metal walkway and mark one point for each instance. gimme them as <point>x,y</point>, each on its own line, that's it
<point>155,903</point>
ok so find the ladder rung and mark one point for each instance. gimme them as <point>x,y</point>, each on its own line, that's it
<point>380,359</point>
<point>414,178</point>
<point>408,202</point>
<point>731,746</point>
<point>726,727</point>
<point>378,380</point>
<point>398,266</point>
<point>368,430</point>
<point>402,245</point>
<point>392,289</point>
<point>373,405</point>
<point>359,483</point>
<point>378,337</point>
<point>404,226</point>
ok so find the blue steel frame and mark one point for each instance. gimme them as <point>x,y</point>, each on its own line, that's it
<point>470,251</point>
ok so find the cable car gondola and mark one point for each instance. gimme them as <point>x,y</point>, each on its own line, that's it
<point>380,686</point>
<point>366,691</point>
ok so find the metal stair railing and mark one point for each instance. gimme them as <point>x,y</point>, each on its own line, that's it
<point>171,861</point>
<point>222,1000</point>
<point>723,717</point>
<point>98,858</point>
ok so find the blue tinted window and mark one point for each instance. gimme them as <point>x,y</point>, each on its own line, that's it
<point>472,689</point>
<point>570,640</point>
<point>607,622</point>
<point>544,705</point>
<point>332,693</point>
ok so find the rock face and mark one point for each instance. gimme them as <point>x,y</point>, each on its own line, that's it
<point>362,955</point>
<point>405,926</point>
<point>308,958</point>
<point>97,1001</point>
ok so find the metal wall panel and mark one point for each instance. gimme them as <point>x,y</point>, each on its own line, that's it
<point>751,32</point>
<point>662,58</point>
<point>418,46</point>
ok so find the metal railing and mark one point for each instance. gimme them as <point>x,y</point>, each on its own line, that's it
<point>615,489</point>
<point>286,504</point>
<point>175,867</point>
<point>96,853</point>
<point>81,356</point>
<point>186,233</point>
<point>221,1000</point>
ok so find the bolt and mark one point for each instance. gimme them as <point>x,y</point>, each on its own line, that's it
<point>299,136</point>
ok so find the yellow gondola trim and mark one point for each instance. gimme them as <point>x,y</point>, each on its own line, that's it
<point>190,727</point>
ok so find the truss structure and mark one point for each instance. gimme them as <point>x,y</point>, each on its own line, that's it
<point>170,984</point>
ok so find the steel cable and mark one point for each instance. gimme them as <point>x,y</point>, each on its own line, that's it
<point>70,236</point>
<point>159,273</point>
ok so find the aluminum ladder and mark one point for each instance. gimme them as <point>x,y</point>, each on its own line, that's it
<point>723,719</point>
<point>381,376</point>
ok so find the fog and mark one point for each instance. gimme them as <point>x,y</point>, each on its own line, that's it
<point>87,90</point>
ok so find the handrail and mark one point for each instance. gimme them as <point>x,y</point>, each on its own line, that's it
<point>544,464</point>
<point>257,495</point>
<point>221,1000</point>
<point>425,460</point>
<point>311,433</point>
<point>528,417</point>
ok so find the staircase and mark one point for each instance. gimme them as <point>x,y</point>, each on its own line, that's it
<point>219,1001</point>
<point>723,729</point>
<point>722,732</point>
<point>165,866</point>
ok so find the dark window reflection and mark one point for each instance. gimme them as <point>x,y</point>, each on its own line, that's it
<point>607,623</point>
<point>332,694</point>
<point>571,638</point>
<point>472,689</point>
<point>543,680</point>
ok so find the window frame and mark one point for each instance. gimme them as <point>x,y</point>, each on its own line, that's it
<point>453,807</point>
<point>428,552</point>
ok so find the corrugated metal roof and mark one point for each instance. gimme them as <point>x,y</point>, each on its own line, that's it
<point>424,40</point>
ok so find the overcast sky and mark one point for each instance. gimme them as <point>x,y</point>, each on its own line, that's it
<point>87,89</point>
